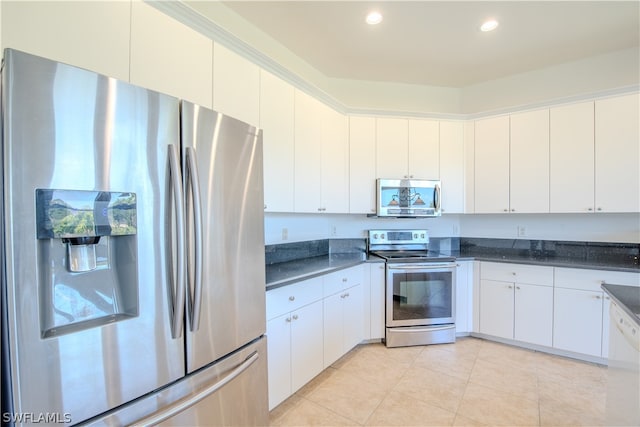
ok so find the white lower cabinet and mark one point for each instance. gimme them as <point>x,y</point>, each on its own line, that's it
<point>464,297</point>
<point>310,325</point>
<point>516,302</point>
<point>377,275</point>
<point>581,316</point>
<point>294,337</point>
<point>343,312</point>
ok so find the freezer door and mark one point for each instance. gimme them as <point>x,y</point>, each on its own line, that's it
<point>84,340</point>
<point>231,392</point>
<point>231,305</point>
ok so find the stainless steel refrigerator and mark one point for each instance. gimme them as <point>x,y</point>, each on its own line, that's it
<point>132,255</point>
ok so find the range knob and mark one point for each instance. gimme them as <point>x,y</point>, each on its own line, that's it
<point>415,235</point>
<point>375,236</point>
<point>382,236</point>
<point>422,235</point>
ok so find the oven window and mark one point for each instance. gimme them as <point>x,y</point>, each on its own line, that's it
<point>422,295</point>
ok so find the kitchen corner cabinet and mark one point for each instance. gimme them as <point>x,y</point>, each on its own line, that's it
<point>581,322</point>
<point>492,165</point>
<point>571,159</point>
<point>176,60</point>
<point>294,337</point>
<point>516,302</point>
<point>276,121</point>
<point>452,166</point>
<point>362,165</point>
<point>321,150</point>
<point>617,158</point>
<point>343,312</point>
<point>236,85</point>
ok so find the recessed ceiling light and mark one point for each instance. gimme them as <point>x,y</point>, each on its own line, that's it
<point>374,18</point>
<point>489,26</point>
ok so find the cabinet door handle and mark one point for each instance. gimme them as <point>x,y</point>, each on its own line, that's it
<point>292,298</point>
<point>288,319</point>
<point>597,297</point>
<point>518,287</point>
<point>510,287</point>
<point>295,317</point>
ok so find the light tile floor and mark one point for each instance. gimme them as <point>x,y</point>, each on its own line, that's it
<point>472,382</point>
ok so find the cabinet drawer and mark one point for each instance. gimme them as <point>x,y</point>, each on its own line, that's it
<point>288,298</point>
<point>590,280</point>
<point>342,279</point>
<point>505,272</point>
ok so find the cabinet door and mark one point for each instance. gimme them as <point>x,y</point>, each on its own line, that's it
<point>352,318</point>
<point>176,60</point>
<point>424,149</point>
<point>308,153</point>
<point>91,35</point>
<point>533,314</point>
<point>236,86</point>
<point>392,156</point>
<point>529,162</point>
<point>335,162</point>
<point>577,321</point>
<point>333,328</point>
<point>362,165</point>
<point>306,344</point>
<point>617,142</point>
<point>377,300</point>
<point>496,308</point>
<point>571,158</point>
<point>492,165</point>
<point>452,166</point>
<point>279,359</point>
<point>276,121</point>
<point>463,297</point>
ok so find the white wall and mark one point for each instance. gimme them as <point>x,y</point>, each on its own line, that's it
<point>573,79</point>
<point>623,228</point>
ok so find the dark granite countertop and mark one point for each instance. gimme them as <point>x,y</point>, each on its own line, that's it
<point>627,297</point>
<point>285,273</point>
<point>610,265</point>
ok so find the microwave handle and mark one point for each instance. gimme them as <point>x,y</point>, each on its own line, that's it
<point>436,197</point>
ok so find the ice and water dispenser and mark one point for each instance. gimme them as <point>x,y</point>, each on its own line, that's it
<point>87,258</point>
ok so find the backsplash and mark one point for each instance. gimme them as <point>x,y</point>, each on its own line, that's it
<point>275,254</point>
<point>597,252</point>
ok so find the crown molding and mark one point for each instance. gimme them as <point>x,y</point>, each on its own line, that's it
<point>215,32</point>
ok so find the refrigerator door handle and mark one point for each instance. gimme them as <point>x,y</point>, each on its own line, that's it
<point>188,402</point>
<point>195,301</point>
<point>179,288</point>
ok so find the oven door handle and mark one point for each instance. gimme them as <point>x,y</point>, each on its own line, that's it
<point>421,266</point>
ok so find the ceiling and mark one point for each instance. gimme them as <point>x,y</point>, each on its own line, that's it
<point>438,43</point>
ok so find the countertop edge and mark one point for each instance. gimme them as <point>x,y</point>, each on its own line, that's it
<point>611,291</point>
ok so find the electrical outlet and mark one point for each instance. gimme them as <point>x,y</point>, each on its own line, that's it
<point>285,234</point>
<point>522,231</point>
<point>334,231</point>
<point>454,230</point>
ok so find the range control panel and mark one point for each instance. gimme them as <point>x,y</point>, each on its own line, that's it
<point>400,237</point>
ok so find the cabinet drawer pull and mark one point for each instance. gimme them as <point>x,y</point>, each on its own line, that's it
<point>292,298</point>
<point>295,317</point>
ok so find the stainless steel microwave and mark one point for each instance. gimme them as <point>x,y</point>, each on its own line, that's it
<point>408,198</point>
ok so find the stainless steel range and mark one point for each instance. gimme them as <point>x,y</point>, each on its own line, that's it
<point>420,288</point>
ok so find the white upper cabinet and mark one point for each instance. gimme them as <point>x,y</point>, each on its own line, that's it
<point>529,162</point>
<point>492,165</point>
<point>424,149</point>
<point>571,170</point>
<point>362,165</point>
<point>392,136</point>
<point>91,35</point>
<point>617,147</point>
<point>452,166</point>
<point>175,60</point>
<point>308,153</point>
<point>335,162</point>
<point>469,167</point>
<point>236,85</point>
<point>276,121</point>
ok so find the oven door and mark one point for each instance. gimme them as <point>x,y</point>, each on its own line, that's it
<point>420,294</point>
